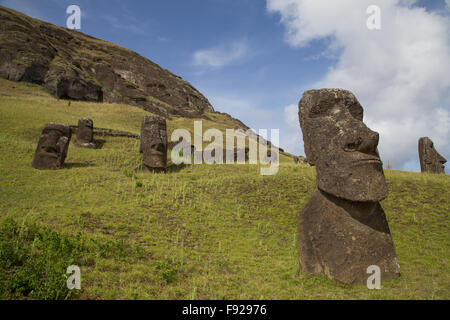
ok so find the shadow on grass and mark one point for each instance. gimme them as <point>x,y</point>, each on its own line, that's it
<point>99,143</point>
<point>174,168</point>
<point>74,165</point>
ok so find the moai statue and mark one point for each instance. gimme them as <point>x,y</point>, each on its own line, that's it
<point>430,160</point>
<point>343,230</point>
<point>85,134</point>
<point>154,144</point>
<point>296,159</point>
<point>51,151</point>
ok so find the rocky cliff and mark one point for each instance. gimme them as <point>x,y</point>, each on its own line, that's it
<point>72,65</point>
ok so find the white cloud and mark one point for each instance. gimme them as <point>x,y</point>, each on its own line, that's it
<point>291,139</point>
<point>400,74</point>
<point>221,55</point>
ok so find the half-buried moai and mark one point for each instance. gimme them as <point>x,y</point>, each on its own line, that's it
<point>85,134</point>
<point>430,160</point>
<point>154,144</point>
<point>343,230</point>
<point>51,151</point>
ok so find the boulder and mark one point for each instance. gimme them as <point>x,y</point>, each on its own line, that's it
<point>52,147</point>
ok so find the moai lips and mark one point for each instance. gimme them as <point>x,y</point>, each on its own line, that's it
<point>154,144</point>
<point>52,147</point>
<point>343,229</point>
<point>85,134</point>
<point>430,160</point>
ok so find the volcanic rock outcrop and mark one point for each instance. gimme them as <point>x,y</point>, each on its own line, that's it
<point>72,65</point>
<point>343,230</point>
<point>51,151</point>
<point>85,134</point>
<point>430,160</point>
<point>154,144</point>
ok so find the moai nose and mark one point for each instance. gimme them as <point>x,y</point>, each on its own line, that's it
<point>369,142</point>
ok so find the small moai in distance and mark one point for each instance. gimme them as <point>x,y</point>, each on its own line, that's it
<point>154,144</point>
<point>296,159</point>
<point>343,230</point>
<point>51,151</point>
<point>236,152</point>
<point>85,134</point>
<point>430,160</point>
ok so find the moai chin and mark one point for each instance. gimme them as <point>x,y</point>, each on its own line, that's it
<point>343,230</point>
<point>430,160</point>
<point>154,144</point>
<point>51,151</point>
<point>85,134</point>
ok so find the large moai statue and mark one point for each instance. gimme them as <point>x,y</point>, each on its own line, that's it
<point>85,134</point>
<point>430,160</point>
<point>343,230</point>
<point>51,151</point>
<point>154,144</point>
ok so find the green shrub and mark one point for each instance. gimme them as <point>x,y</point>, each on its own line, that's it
<point>167,270</point>
<point>33,262</point>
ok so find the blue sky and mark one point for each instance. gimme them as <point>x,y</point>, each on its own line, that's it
<point>254,58</point>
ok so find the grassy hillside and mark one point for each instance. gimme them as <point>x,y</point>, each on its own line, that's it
<point>199,232</point>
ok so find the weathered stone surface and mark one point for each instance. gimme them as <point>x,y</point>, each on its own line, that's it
<point>341,238</point>
<point>154,144</point>
<point>341,146</point>
<point>63,85</point>
<point>430,160</point>
<point>343,230</point>
<point>72,65</point>
<point>51,151</point>
<point>85,133</point>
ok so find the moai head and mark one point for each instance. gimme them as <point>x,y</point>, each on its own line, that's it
<point>85,132</point>
<point>51,151</point>
<point>154,143</point>
<point>430,159</point>
<point>341,146</point>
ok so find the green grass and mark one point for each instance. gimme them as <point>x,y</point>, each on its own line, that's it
<point>200,232</point>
